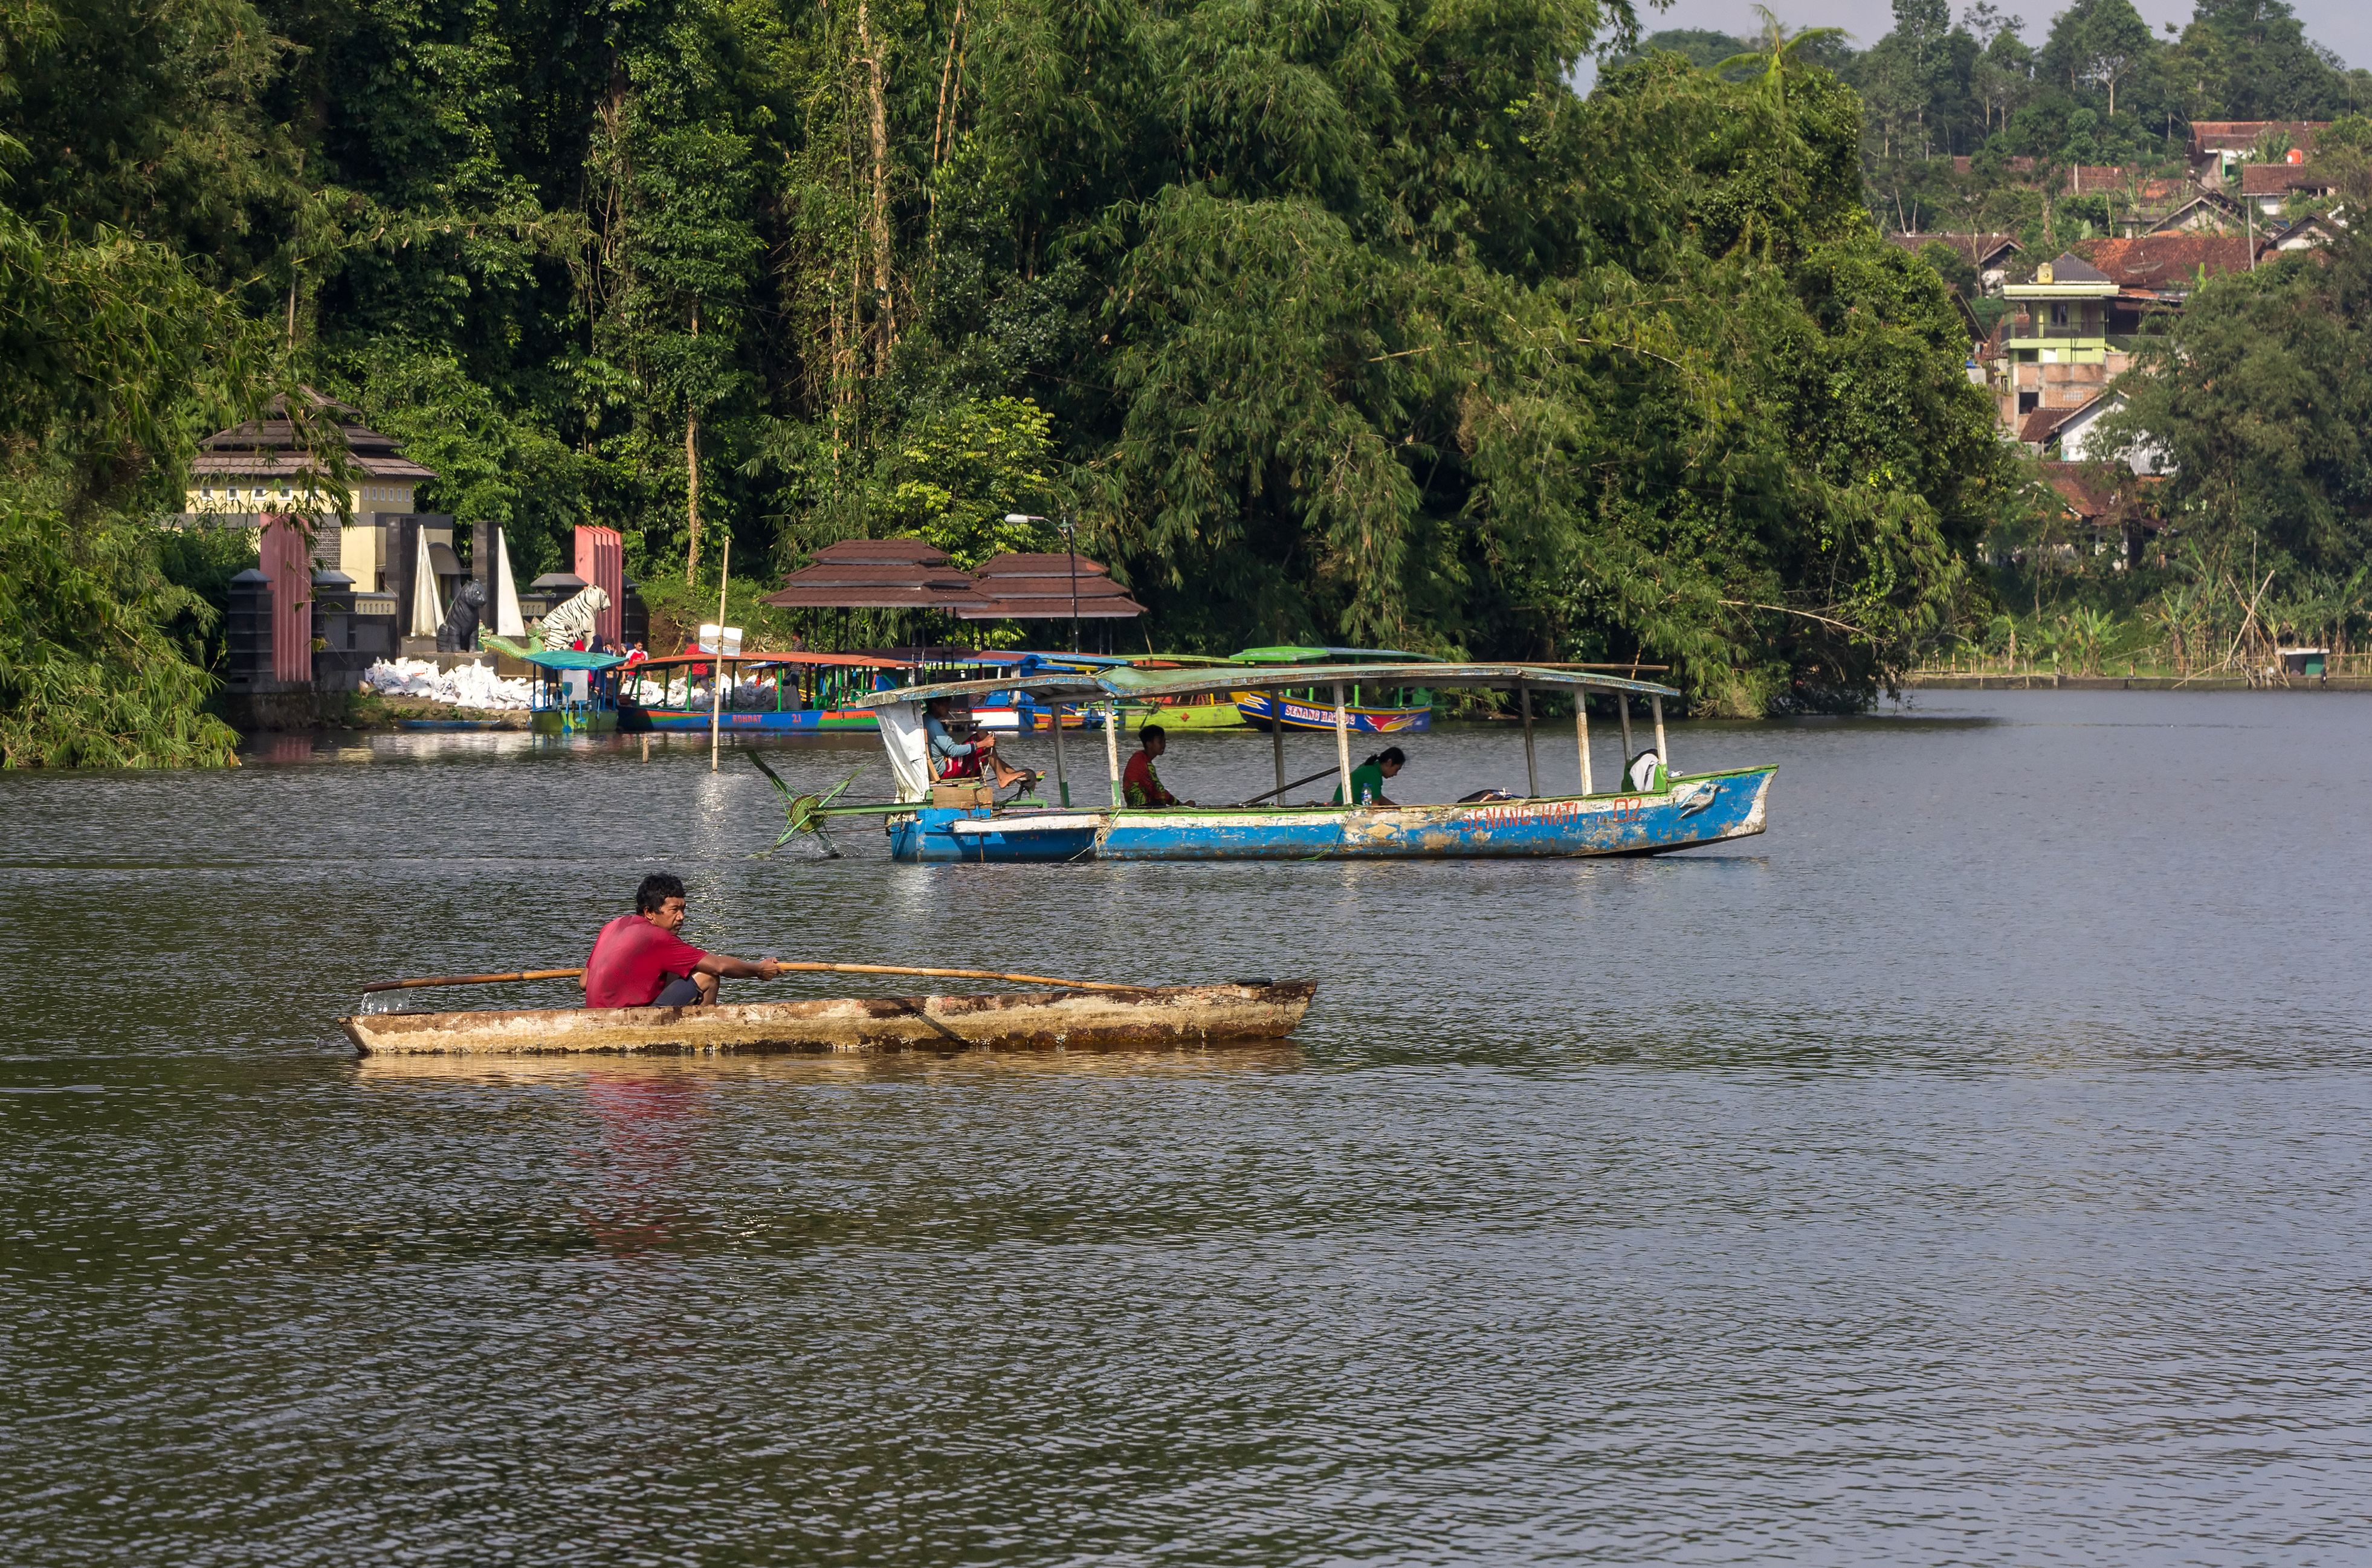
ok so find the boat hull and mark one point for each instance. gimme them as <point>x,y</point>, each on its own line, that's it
<point>1256,708</point>
<point>1200,715</point>
<point>803,721</point>
<point>563,721</point>
<point>1694,811</point>
<point>1069,1020</point>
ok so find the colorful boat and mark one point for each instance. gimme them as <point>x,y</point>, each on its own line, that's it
<point>1375,707</point>
<point>1200,710</point>
<point>1653,812</point>
<point>769,693</point>
<point>1064,1020</point>
<point>575,693</point>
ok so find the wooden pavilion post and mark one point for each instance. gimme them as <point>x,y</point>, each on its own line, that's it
<point>1343,743</point>
<point>1531,758</point>
<point>1276,739</point>
<point>1581,734</point>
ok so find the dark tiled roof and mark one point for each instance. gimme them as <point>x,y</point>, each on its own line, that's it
<point>268,447</point>
<point>878,573</point>
<point>2072,268</point>
<point>2240,136</point>
<point>1038,586</point>
<point>2160,262</point>
<point>2280,179</point>
<point>2085,178</point>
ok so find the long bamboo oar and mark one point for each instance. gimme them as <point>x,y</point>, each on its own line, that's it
<point>804,967</point>
<point>1296,783</point>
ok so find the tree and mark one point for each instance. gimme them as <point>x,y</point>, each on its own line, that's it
<point>2261,395</point>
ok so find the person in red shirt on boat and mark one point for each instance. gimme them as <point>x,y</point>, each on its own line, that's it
<point>639,962</point>
<point>1139,784</point>
<point>953,759</point>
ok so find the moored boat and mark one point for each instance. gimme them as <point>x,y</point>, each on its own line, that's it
<point>1650,811</point>
<point>1071,1020</point>
<point>1373,706</point>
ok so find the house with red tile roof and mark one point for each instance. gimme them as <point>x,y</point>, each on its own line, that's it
<point>2220,148</point>
<point>2270,187</point>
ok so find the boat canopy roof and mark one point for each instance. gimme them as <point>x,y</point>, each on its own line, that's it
<point>857,661</point>
<point>572,658</point>
<point>1046,686</point>
<point>1186,682</point>
<point>1292,654</point>
<point>1123,683</point>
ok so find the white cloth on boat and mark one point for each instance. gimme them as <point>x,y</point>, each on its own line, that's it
<point>1642,769</point>
<point>902,736</point>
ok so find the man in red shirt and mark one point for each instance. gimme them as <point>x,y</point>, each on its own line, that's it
<point>1139,784</point>
<point>639,962</point>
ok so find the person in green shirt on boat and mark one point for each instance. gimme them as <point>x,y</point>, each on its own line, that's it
<point>1367,778</point>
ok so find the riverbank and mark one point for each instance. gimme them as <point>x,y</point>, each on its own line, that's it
<point>2048,682</point>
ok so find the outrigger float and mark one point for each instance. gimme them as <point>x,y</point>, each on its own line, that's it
<point>936,822</point>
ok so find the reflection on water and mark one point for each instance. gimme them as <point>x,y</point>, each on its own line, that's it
<point>1968,1170</point>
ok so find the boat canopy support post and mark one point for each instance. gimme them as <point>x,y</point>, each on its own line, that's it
<point>1276,739</point>
<point>1343,743</point>
<point>1622,706</point>
<point>1581,734</point>
<point>1661,755</point>
<point>1062,783</point>
<point>1532,758</point>
<point>1111,751</point>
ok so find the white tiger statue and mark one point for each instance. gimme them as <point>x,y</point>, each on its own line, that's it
<point>573,618</point>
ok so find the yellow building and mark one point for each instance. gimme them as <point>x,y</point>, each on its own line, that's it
<point>263,466</point>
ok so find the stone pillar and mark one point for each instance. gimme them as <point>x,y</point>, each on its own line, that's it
<point>334,666</point>
<point>287,562</point>
<point>248,628</point>
<point>601,561</point>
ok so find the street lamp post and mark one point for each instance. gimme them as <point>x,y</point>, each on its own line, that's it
<point>1070,544</point>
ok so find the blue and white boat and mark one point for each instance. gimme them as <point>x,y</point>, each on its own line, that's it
<point>1652,811</point>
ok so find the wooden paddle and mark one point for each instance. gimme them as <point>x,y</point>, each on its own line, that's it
<point>1296,783</point>
<point>785,964</point>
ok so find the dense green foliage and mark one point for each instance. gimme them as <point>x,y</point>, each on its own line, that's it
<point>2097,88</point>
<point>1327,319</point>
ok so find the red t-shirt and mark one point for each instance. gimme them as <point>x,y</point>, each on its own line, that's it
<point>1141,786</point>
<point>631,961</point>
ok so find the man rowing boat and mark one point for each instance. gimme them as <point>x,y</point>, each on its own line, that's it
<point>639,962</point>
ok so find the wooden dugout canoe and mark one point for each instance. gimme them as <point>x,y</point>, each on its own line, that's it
<point>1075,1021</point>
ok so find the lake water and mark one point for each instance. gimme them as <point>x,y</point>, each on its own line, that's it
<point>1971,1170</point>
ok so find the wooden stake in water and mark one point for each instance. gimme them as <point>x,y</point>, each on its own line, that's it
<point>717,715</point>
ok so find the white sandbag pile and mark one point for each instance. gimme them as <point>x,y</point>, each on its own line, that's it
<point>464,686</point>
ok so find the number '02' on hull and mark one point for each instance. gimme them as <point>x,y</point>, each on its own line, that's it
<point>1704,809</point>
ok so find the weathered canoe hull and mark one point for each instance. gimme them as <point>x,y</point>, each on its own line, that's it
<point>1695,811</point>
<point>1072,1020</point>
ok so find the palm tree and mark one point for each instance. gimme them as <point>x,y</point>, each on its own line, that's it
<point>1776,52</point>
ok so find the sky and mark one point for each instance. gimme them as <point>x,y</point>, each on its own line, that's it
<point>2344,26</point>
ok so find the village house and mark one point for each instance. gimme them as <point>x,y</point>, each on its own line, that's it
<point>1990,255</point>
<point>2056,352</point>
<point>2220,149</point>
